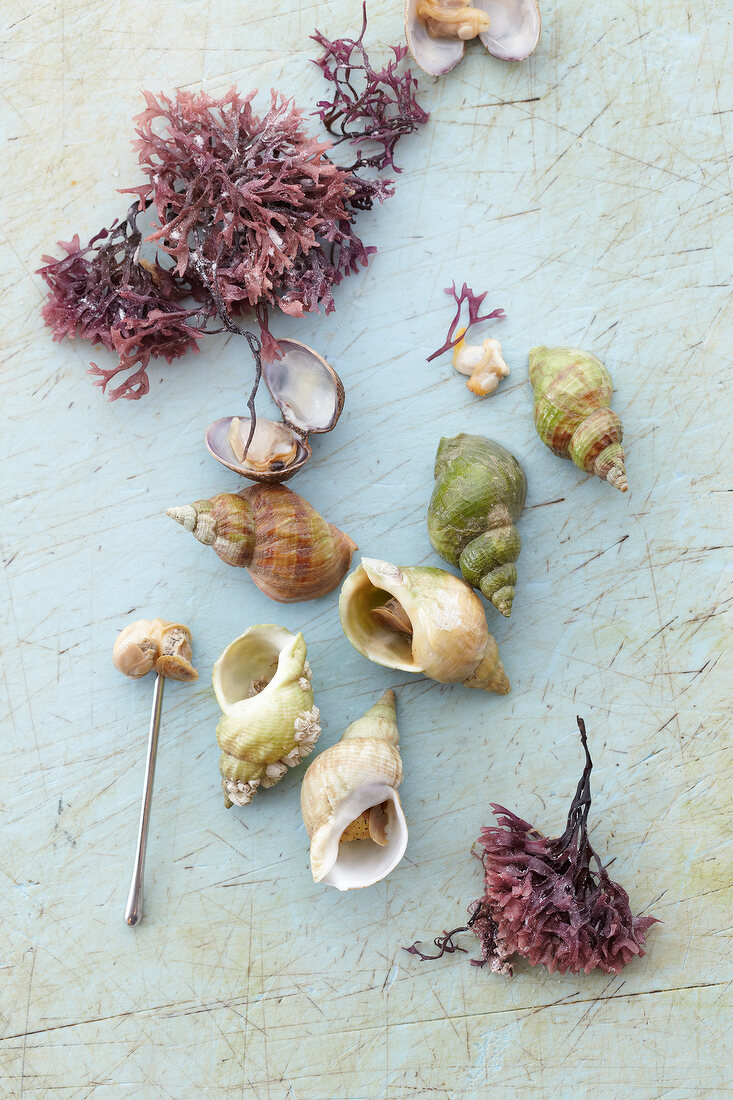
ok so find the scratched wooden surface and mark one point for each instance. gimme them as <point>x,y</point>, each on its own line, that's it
<point>589,190</point>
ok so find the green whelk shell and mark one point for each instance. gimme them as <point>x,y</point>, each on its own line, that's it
<point>479,493</point>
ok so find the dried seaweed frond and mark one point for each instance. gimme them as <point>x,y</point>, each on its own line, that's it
<point>378,106</point>
<point>550,901</point>
<point>251,205</point>
<point>104,294</point>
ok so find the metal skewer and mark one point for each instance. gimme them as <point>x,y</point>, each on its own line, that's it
<point>134,907</point>
<point>141,647</point>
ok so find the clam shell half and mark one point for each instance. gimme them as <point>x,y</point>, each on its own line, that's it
<point>435,56</point>
<point>515,28</point>
<point>217,444</point>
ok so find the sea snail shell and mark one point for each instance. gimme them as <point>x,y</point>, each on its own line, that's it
<point>269,722</point>
<point>420,619</point>
<point>573,414</point>
<point>350,804</point>
<point>287,547</point>
<point>479,493</point>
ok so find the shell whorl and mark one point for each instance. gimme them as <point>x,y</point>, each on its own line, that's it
<point>225,523</point>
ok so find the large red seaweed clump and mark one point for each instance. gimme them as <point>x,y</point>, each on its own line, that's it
<point>252,214</point>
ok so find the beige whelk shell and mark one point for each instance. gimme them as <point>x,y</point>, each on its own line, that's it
<point>437,30</point>
<point>350,804</point>
<point>310,396</point>
<point>423,620</point>
<point>269,721</point>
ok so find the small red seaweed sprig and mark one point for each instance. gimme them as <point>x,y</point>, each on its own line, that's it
<point>474,302</point>
<point>376,107</point>
<point>253,214</point>
<point>549,900</point>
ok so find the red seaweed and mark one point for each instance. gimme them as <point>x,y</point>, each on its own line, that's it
<point>474,304</point>
<point>544,901</point>
<point>253,212</point>
<point>105,295</point>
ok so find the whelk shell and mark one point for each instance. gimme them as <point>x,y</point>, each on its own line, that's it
<point>269,723</point>
<point>422,620</point>
<point>287,547</point>
<point>350,804</point>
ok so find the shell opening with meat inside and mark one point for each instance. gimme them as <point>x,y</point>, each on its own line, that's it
<point>378,624</point>
<point>251,663</point>
<point>363,841</point>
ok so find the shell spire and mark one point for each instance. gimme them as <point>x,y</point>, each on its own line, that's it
<point>573,414</point>
<point>350,804</point>
<point>288,548</point>
<point>379,723</point>
<point>479,493</point>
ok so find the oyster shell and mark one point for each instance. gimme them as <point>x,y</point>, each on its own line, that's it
<point>310,396</point>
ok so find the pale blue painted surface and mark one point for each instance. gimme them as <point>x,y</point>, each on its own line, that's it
<point>589,191</point>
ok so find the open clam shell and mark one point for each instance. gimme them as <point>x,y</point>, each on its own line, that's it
<point>512,35</point>
<point>310,396</point>
<point>515,28</point>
